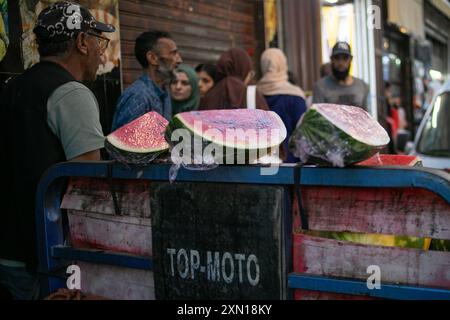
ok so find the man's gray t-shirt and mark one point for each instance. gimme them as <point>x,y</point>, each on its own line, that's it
<point>73,116</point>
<point>328,90</point>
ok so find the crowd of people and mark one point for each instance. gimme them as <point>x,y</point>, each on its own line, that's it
<point>50,116</point>
<point>168,86</point>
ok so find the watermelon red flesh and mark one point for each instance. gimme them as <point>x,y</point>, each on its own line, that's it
<point>391,160</point>
<point>143,135</point>
<point>263,123</point>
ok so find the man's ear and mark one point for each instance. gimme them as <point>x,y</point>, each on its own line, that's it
<point>152,58</point>
<point>81,43</point>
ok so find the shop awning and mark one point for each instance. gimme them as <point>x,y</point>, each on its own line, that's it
<point>443,6</point>
<point>408,15</point>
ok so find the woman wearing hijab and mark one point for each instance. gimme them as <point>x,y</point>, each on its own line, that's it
<point>184,90</point>
<point>234,73</point>
<point>287,100</point>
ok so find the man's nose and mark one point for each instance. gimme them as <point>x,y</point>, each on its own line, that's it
<point>342,64</point>
<point>179,59</point>
<point>103,58</point>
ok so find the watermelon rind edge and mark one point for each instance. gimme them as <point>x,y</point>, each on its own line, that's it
<point>327,143</point>
<point>177,123</point>
<point>119,145</point>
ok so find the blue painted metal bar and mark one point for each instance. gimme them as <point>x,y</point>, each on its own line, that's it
<point>50,232</point>
<point>377,177</point>
<point>103,257</point>
<point>288,239</point>
<point>352,287</point>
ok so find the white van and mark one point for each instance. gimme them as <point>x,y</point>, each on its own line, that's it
<point>432,142</point>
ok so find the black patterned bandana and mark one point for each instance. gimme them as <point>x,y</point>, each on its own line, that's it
<point>63,21</point>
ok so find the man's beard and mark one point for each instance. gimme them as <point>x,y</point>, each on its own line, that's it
<point>340,75</point>
<point>166,72</point>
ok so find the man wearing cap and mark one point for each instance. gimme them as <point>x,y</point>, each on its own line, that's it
<point>48,116</point>
<point>340,87</point>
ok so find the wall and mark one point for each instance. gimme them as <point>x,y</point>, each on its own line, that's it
<point>202,29</point>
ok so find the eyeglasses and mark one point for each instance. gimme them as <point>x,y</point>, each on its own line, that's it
<point>102,41</point>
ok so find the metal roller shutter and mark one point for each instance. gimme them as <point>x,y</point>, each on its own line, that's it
<point>202,29</point>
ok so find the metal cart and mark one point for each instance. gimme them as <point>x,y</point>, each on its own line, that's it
<point>372,200</point>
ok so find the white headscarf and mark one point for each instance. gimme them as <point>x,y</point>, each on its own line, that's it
<point>275,75</point>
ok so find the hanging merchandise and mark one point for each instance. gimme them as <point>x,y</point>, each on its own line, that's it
<point>4,34</point>
<point>106,11</point>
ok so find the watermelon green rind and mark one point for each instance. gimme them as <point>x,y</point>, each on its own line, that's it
<point>248,156</point>
<point>247,153</point>
<point>375,239</point>
<point>179,122</point>
<point>226,144</point>
<point>135,158</point>
<point>142,135</point>
<point>440,245</point>
<point>139,142</point>
<point>319,140</point>
<point>121,146</point>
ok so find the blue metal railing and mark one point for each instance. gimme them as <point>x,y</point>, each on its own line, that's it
<point>52,252</point>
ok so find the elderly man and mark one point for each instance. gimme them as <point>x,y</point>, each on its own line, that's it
<point>48,116</point>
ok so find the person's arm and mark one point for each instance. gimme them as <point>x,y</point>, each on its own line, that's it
<point>74,118</point>
<point>88,156</point>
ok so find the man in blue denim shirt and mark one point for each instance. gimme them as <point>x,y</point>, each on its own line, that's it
<point>158,55</point>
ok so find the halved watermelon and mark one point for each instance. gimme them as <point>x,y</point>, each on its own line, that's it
<point>237,131</point>
<point>140,141</point>
<point>338,135</point>
<point>374,239</point>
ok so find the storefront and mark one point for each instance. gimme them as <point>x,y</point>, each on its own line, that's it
<point>404,27</point>
<point>22,52</point>
<point>397,64</point>
<point>415,52</point>
<point>437,26</point>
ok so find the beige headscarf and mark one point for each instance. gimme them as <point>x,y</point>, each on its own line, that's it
<point>275,75</point>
